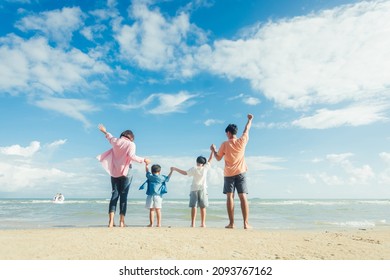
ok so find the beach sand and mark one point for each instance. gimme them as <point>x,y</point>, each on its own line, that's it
<point>137,243</point>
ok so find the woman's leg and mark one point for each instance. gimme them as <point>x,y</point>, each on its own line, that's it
<point>123,192</point>
<point>113,201</point>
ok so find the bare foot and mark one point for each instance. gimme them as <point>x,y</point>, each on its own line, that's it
<point>149,225</point>
<point>202,225</point>
<point>123,225</point>
<point>247,226</point>
<point>230,226</point>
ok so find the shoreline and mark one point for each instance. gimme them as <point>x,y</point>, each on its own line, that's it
<point>178,243</point>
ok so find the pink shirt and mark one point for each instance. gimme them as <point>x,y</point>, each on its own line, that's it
<point>117,160</point>
<point>234,150</point>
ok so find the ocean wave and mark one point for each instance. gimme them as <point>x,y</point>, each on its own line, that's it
<point>317,202</point>
<point>379,202</point>
<point>351,224</point>
<point>300,202</point>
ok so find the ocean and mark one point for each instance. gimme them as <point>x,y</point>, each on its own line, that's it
<point>267,214</point>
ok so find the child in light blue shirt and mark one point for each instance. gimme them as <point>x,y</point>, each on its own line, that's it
<point>156,187</point>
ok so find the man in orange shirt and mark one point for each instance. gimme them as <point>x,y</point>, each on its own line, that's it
<point>234,172</point>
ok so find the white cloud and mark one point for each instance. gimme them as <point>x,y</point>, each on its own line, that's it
<point>384,176</point>
<point>58,25</point>
<point>17,150</point>
<point>356,115</point>
<point>73,108</point>
<point>210,122</point>
<point>270,125</point>
<point>93,32</point>
<point>342,171</point>
<point>32,66</point>
<point>251,101</point>
<point>331,180</point>
<point>17,177</point>
<point>166,103</point>
<point>56,144</point>
<point>31,171</point>
<point>157,43</point>
<point>385,157</point>
<point>261,163</point>
<point>339,56</point>
<point>171,103</point>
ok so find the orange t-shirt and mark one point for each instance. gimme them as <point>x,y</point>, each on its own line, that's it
<point>234,151</point>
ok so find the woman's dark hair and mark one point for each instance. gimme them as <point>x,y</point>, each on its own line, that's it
<point>232,128</point>
<point>201,160</point>
<point>128,134</point>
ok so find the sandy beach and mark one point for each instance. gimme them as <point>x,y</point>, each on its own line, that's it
<point>137,243</point>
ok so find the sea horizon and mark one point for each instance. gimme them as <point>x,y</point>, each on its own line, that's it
<point>268,214</point>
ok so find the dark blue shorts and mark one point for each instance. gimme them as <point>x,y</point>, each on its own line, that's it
<point>237,182</point>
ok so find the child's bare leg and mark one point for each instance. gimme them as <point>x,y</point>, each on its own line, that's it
<point>193,216</point>
<point>151,217</point>
<point>158,213</point>
<point>203,216</point>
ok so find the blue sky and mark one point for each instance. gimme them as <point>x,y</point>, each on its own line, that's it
<point>315,75</point>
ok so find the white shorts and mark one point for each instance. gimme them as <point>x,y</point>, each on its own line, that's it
<point>153,201</point>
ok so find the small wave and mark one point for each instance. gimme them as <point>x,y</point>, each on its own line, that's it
<point>353,224</point>
<point>36,202</point>
<point>299,202</point>
<point>379,202</point>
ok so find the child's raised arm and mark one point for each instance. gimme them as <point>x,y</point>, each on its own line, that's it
<point>211,153</point>
<point>146,167</point>
<point>182,172</point>
<point>170,173</point>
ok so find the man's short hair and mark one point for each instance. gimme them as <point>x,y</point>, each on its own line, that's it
<point>232,128</point>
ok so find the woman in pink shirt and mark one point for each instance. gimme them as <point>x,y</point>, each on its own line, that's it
<point>117,162</point>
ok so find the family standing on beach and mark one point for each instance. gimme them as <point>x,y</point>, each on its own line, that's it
<point>118,163</point>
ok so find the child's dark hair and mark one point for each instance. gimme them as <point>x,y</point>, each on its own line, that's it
<point>232,128</point>
<point>128,134</point>
<point>156,168</point>
<point>201,160</point>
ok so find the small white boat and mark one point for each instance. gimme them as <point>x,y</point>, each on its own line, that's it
<point>58,198</point>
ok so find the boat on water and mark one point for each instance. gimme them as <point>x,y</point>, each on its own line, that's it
<point>59,198</point>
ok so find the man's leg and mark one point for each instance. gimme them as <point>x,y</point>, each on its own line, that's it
<point>244,209</point>
<point>230,209</point>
